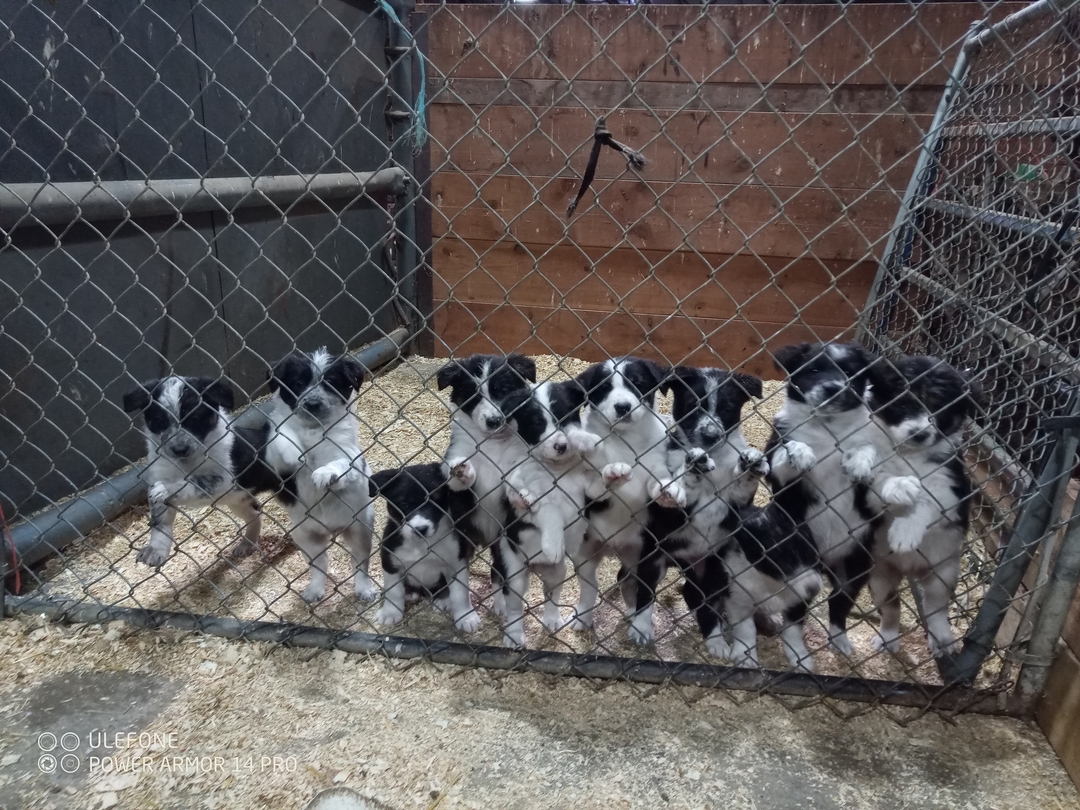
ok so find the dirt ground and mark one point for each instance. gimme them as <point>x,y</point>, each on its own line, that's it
<point>168,720</point>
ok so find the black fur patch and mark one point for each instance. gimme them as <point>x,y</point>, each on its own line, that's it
<point>251,470</point>
<point>642,376</point>
<point>844,367</point>
<point>911,386</point>
<point>504,377</point>
<point>200,400</point>
<point>698,393</point>
<point>418,490</point>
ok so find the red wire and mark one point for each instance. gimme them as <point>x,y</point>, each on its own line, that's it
<point>14,559</point>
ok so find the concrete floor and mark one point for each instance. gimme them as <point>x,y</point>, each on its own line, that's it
<point>229,724</point>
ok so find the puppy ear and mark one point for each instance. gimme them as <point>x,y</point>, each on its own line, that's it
<point>280,372</point>
<point>138,399</point>
<point>658,373</point>
<point>354,370</point>
<point>575,394</point>
<point>748,383</point>
<point>589,379</point>
<point>218,393</point>
<point>449,375</point>
<point>676,379</point>
<point>378,480</point>
<point>524,366</point>
<point>791,357</point>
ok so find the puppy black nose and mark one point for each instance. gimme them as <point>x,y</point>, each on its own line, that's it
<point>181,450</point>
<point>315,406</point>
<point>560,447</point>
<point>494,422</point>
<point>622,408</point>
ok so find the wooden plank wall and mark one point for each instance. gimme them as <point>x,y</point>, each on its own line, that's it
<point>777,151</point>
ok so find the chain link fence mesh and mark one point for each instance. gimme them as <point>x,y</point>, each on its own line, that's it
<point>796,186</point>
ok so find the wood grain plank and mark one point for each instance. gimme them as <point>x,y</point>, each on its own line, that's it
<point>1058,714</point>
<point>833,151</point>
<point>591,335</point>
<point>651,282</point>
<point>718,96</point>
<point>775,221</point>
<point>874,44</point>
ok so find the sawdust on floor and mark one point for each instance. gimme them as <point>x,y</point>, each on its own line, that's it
<point>287,723</point>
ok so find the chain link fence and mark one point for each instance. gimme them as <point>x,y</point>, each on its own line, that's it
<point>204,188</point>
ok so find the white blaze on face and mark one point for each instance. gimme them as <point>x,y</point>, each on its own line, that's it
<point>486,414</point>
<point>171,392</point>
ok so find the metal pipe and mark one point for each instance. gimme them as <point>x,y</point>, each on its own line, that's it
<point>53,529</point>
<point>1014,21</point>
<point>61,203</point>
<point>1056,601</point>
<point>1042,352</point>
<point>594,667</point>
<point>918,186</point>
<point>1030,529</point>
<point>400,52</point>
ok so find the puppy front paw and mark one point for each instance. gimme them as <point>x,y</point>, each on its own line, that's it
<point>462,474</point>
<point>348,479</point>
<point>718,647</point>
<point>698,461</point>
<point>583,442</point>
<point>753,461</point>
<point>800,456</point>
<point>905,535</point>
<point>615,475</point>
<point>887,641</point>
<point>324,477</point>
<point>152,556</point>
<point>313,593</point>
<point>521,499</point>
<point>389,615</point>
<point>642,631</point>
<point>158,494</point>
<point>668,494</point>
<point>901,490</point>
<point>364,588</point>
<point>469,623</point>
<point>514,637</point>
<point>858,465</point>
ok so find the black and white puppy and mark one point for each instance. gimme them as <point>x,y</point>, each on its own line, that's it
<point>194,458</point>
<point>483,447</point>
<point>548,490</point>
<point>621,397</point>
<point>822,456</point>
<point>423,554</point>
<point>771,566</point>
<point>921,405</point>
<point>719,472</point>
<point>314,444</point>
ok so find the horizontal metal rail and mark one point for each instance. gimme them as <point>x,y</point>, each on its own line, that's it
<point>51,530</point>
<point>595,667</point>
<point>1053,125</point>
<point>59,203</point>
<point>997,219</point>
<point>1044,353</point>
<point>1014,21</point>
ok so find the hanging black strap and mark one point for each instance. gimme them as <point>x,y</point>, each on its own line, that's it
<point>601,138</point>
